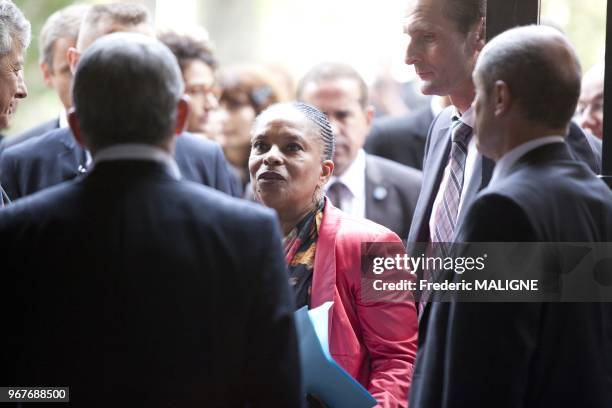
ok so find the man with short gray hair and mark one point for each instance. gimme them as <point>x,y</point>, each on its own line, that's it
<point>55,156</point>
<point>160,302</point>
<point>15,35</point>
<point>57,35</point>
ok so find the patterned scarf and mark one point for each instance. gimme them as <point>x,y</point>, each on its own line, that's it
<point>300,247</point>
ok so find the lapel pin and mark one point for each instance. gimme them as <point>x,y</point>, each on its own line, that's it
<point>380,193</point>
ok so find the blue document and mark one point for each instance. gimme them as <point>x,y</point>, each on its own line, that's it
<point>321,375</point>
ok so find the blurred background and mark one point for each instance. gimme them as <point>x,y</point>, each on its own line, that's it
<point>294,35</point>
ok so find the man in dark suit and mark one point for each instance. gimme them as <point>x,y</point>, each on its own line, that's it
<point>55,157</point>
<point>57,35</point>
<point>445,38</point>
<point>15,32</point>
<point>131,286</point>
<point>402,138</point>
<point>524,354</point>
<point>363,185</point>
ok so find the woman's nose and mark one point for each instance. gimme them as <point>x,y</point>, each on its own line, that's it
<point>273,156</point>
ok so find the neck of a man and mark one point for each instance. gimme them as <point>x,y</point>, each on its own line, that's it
<point>462,99</point>
<point>523,132</point>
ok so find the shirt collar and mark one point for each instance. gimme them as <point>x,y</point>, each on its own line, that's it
<point>504,164</point>
<point>63,119</point>
<point>468,117</point>
<point>353,177</point>
<point>137,151</point>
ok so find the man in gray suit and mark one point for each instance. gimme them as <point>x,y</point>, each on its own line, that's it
<point>524,354</point>
<point>363,185</point>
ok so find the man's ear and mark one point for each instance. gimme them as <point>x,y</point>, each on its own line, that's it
<point>46,71</point>
<point>502,98</point>
<point>73,58</point>
<point>73,121</point>
<point>369,114</point>
<point>182,114</point>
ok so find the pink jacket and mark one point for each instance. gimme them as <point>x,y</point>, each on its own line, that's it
<point>375,342</point>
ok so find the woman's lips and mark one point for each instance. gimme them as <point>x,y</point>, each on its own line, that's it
<point>270,176</point>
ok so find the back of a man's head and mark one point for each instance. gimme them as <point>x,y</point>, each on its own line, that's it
<point>126,90</point>
<point>541,70</point>
<point>103,19</point>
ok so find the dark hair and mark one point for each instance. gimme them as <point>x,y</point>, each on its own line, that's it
<point>187,48</point>
<point>319,119</point>
<point>108,114</point>
<point>330,71</point>
<point>248,85</point>
<point>465,13</point>
<point>541,70</point>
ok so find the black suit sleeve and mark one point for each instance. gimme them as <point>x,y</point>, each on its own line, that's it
<point>272,373</point>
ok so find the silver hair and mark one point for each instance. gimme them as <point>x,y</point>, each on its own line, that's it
<point>101,16</point>
<point>13,27</point>
<point>64,23</point>
<point>126,90</point>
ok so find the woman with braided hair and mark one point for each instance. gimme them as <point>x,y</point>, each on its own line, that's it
<point>374,340</point>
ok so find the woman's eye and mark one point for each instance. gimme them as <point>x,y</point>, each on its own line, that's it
<point>294,147</point>
<point>257,145</point>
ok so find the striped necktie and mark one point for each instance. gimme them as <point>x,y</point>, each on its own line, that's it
<point>445,220</point>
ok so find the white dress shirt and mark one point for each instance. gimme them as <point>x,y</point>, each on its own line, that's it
<point>137,151</point>
<point>353,197</point>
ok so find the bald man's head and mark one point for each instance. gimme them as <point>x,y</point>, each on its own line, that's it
<point>539,67</point>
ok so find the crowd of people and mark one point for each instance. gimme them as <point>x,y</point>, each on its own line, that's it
<point>158,236</point>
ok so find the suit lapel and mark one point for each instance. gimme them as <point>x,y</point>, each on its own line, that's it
<point>436,162</point>
<point>483,170</point>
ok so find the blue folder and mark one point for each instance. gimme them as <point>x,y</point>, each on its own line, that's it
<point>321,375</point>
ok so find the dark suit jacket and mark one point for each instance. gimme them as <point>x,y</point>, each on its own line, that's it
<point>136,289</point>
<point>437,150</point>
<point>401,139</point>
<point>36,131</point>
<point>392,191</point>
<point>524,354</point>
<point>56,157</point>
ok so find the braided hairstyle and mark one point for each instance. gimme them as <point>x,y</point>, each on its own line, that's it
<point>319,119</point>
